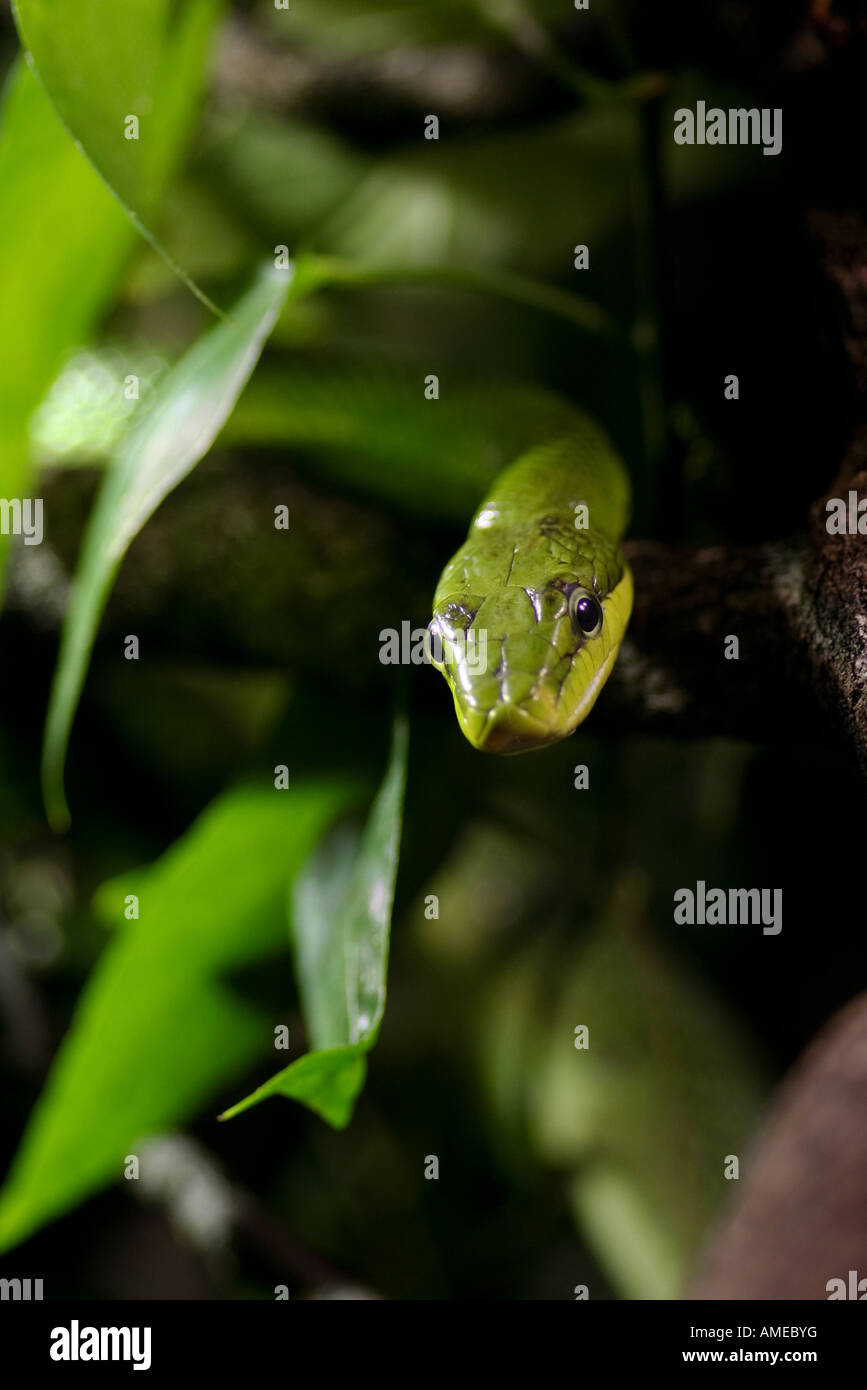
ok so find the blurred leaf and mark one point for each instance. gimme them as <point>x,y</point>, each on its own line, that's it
<point>577,309</point>
<point>641,1254</point>
<point>207,236</point>
<point>156,1031</point>
<point>341,913</point>
<point>102,63</point>
<point>85,414</point>
<point>285,175</point>
<point>570,180</point>
<point>260,163</point>
<point>341,25</point>
<point>51,292</point>
<point>440,203</point>
<point>191,723</point>
<point>666,1089</point>
<point>188,410</point>
<point>642,1118</point>
<point>379,433</point>
<point>385,25</point>
<point>700,171</point>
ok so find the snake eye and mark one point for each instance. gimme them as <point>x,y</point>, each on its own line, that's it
<point>586,612</point>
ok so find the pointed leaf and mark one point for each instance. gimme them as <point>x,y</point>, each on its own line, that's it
<point>189,409</point>
<point>106,65</point>
<point>342,956</point>
<point>156,1030</point>
<point>50,295</point>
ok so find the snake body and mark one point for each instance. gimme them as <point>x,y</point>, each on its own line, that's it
<point>541,590</point>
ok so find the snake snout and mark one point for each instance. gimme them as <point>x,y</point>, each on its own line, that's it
<point>493,724</point>
<point>506,729</point>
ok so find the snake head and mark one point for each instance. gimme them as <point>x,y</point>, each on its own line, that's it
<point>526,661</point>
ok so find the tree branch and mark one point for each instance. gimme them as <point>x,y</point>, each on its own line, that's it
<point>799,611</point>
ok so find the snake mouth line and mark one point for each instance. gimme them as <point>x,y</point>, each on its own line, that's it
<point>508,740</point>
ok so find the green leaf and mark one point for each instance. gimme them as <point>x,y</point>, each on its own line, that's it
<point>86,413</point>
<point>384,26</point>
<point>284,175</point>
<point>357,937</point>
<point>189,408</point>
<point>341,913</point>
<point>379,27</point>
<point>320,894</point>
<point>156,1031</point>
<point>379,434</point>
<point>641,1117</point>
<point>327,1082</point>
<point>449,204</point>
<point>51,292</point>
<point>535,294</point>
<point>103,63</point>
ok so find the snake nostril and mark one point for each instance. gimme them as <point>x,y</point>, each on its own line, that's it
<point>549,603</point>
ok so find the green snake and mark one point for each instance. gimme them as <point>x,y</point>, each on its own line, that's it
<point>529,614</point>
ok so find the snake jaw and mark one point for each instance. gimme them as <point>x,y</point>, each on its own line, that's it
<point>504,729</point>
